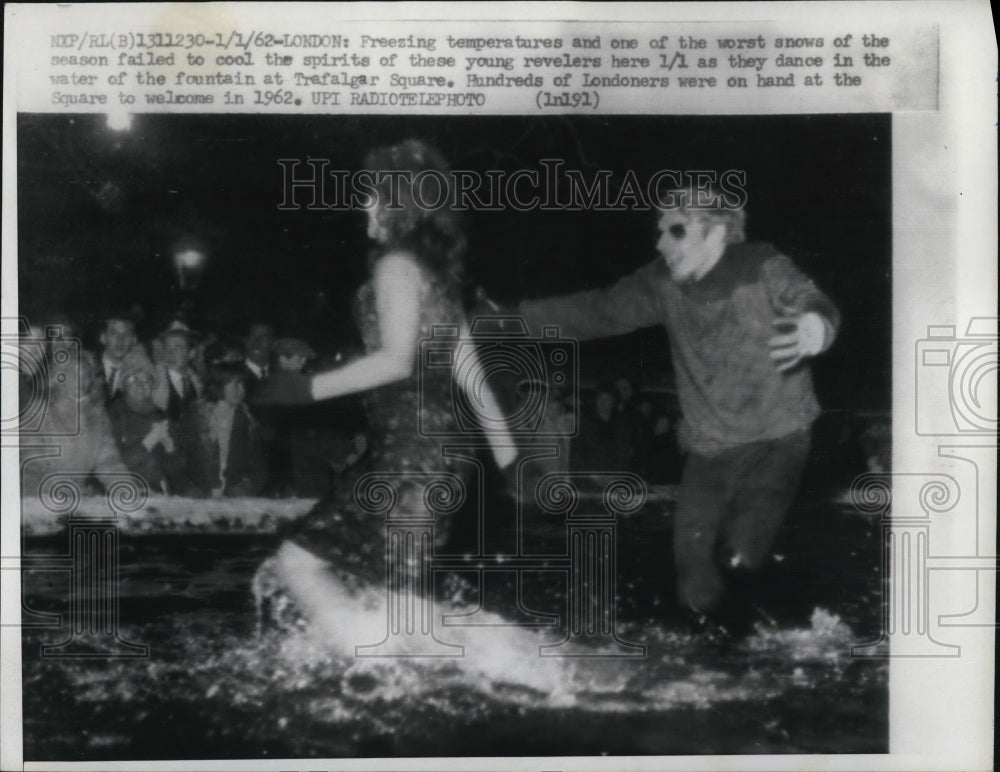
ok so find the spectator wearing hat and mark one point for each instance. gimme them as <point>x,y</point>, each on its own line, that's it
<point>183,384</point>
<point>292,354</point>
<point>239,463</point>
<point>192,471</point>
<point>141,429</point>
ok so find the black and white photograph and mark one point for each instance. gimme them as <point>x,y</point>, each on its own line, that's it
<point>189,253</point>
<point>471,437</point>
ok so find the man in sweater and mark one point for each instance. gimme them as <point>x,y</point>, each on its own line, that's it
<point>742,321</point>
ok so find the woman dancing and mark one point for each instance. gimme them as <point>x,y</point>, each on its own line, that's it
<point>337,551</point>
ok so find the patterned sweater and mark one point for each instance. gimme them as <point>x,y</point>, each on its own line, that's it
<point>719,328</point>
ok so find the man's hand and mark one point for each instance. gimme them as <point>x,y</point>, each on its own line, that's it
<point>797,338</point>
<point>166,440</point>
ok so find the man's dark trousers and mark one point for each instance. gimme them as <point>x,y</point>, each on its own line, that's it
<point>736,501</point>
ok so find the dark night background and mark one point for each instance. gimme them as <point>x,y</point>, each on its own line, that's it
<point>100,211</point>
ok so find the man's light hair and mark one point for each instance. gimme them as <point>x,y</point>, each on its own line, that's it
<point>712,204</point>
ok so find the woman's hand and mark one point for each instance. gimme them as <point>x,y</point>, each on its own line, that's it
<point>284,390</point>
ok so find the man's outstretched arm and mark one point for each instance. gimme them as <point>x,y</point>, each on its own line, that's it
<point>630,304</point>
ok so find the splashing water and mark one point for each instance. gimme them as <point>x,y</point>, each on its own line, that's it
<point>230,679</point>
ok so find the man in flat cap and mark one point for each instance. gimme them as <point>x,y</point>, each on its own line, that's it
<point>184,410</point>
<point>292,354</point>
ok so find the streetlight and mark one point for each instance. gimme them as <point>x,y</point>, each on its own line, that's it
<point>189,262</point>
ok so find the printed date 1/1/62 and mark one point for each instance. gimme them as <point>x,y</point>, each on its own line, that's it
<point>571,99</point>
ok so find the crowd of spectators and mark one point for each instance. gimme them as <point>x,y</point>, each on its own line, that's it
<point>625,431</point>
<point>174,409</point>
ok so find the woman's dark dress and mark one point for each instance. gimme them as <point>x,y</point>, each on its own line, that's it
<point>405,421</point>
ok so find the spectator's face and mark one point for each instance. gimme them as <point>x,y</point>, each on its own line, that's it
<point>118,338</point>
<point>690,245</point>
<point>176,352</point>
<point>605,404</point>
<point>259,343</point>
<point>292,363</point>
<point>138,389</point>
<point>646,408</point>
<point>624,388</point>
<point>234,392</point>
<point>662,426</point>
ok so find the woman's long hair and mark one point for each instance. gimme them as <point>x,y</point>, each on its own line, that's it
<point>432,234</point>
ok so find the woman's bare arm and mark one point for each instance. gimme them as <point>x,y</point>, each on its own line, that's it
<point>397,304</point>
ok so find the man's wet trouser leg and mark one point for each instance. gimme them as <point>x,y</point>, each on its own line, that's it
<point>740,496</point>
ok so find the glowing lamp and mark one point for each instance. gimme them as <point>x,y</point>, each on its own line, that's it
<point>189,262</point>
<point>119,121</point>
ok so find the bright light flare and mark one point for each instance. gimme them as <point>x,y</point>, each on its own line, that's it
<point>119,121</point>
<point>189,258</point>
